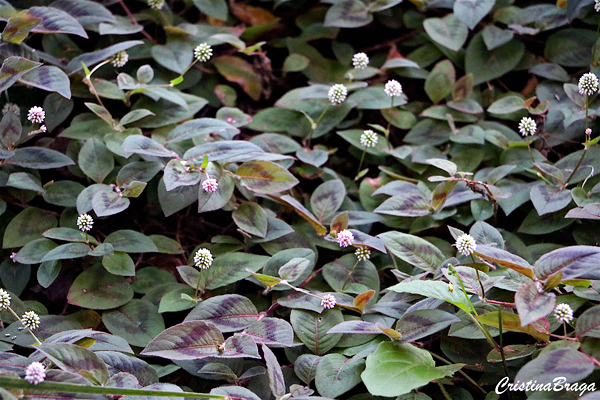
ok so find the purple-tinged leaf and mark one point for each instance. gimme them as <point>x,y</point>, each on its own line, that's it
<point>251,218</point>
<point>230,268</point>
<point>414,250</point>
<point>435,289</point>
<point>49,78</point>
<point>276,381</point>
<point>361,238</point>
<point>272,332</point>
<point>39,158</point>
<point>348,275</point>
<point>86,12</point>
<point>18,27</point>
<point>305,367</point>
<point>421,323</point>
<point>266,177</point>
<point>336,374</point>
<point>356,327</point>
<point>405,205</point>
<point>220,151</point>
<point>229,312</point>
<point>568,363</point>
<point>588,323</point>
<point>235,392</point>
<point>238,347</point>
<point>189,340</point>
<point>119,362</point>
<point>533,304</point>
<point>139,144</point>
<point>311,328</point>
<point>76,359</point>
<point>511,322</point>
<point>505,259</point>
<point>548,199</point>
<point>105,203</point>
<point>94,57</point>
<point>177,174</point>
<point>574,262</point>
<point>206,126</point>
<point>294,269</point>
<point>303,212</point>
<point>327,199</point>
<point>55,21</point>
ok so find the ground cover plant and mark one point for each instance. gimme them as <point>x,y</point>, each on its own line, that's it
<point>293,199</point>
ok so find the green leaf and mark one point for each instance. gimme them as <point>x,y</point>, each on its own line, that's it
<point>229,312</point>
<point>138,322</point>
<point>69,235</point>
<point>568,363</point>
<point>118,361</point>
<point>18,27</point>
<point>251,218</point>
<point>303,212</point>
<point>142,171</point>
<point>574,261</point>
<point>130,241</point>
<point>95,160</point>
<point>507,105</point>
<point>435,289</point>
<point>488,65</point>
<point>346,274</point>
<point>85,11</point>
<point>175,56</point>
<point>418,324</point>
<point>34,251</point>
<point>28,225</point>
<point>311,328</point>
<point>548,199</point>
<point>314,157</point>
<point>23,180</point>
<point>48,272</point>
<point>13,68</point>
<point>265,177</point>
<point>413,250</point>
<point>119,263</point>
<point>204,127</point>
<point>55,21</point>
<point>107,203</point>
<point>511,322</point>
<point>67,251</point>
<point>39,158</point>
<point>336,375</point>
<point>48,78</point>
<point>440,80</point>
<point>348,14</point>
<point>240,71</point>
<point>143,145</point>
<point>210,201</point>
<point>295,63</point>
<point>407,204</point>
<point>176,175</point>
<point>231,267</point>
<point>294,269</point>
<point>10,130</point>
<point>213,8</point>
<point>397,368</point>
<point>327,199</point>
<point>77,360</point>
<point>533,304</point>
<point>305,367</point>
<point>588,323</point>
<point>274,332</point>
<point>494,37</point>
<point>570,47</point>
<point>449,31</point>
<point>96,289</point>
<point>276,381</point>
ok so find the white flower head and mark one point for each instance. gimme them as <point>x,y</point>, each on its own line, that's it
<point>337,94</point>
<point>120,59</point>
<point>362,253</point>
<point>35,373</point>
<point>11,108</point>
<point>345,238</point>
<point>30,320</point>
<point>203,258</point>
<point>210,185</point>
<point>465,244</point>
<point>563,312</point>
<point>527,126</point>
<point>368,138</point>
<point>85,222</point>
<point>393,88</point>
<point>36,115</point>
<point>328,301</point>
<point>588,84</point>
<point>597,5</point>
<point>203,52</point>
<point>360,61</point>
<point>4,299</point>
<point>156,4</point>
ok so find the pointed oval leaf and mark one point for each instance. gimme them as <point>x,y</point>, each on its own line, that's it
<point>95,160</point>
<point>574,262</point>
<point>67,251</point>
<point>449,31</point>
<point>138,322</point>
<point>505,259</point>
<point>311,328</point>
<point>274,332</point>
<point>96,289</point>
<point>49,78</point>
<point>251,218</point>
<point>144,145</point>
<point>413,250</point>
<point>327,199</point>
<point>548,199</point>
<point>336,374</point>
<point>39,158</point>
<point>422,323</point>
<point>568,363</point>
<point>588,323</point>
<point>266,177</point>
<point>229,312</point>
<point>533,305</point>
<point>77,360</point>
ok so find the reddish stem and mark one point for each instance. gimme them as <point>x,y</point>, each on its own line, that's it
<point>134,21</point>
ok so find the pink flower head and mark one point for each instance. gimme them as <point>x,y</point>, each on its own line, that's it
<point>35,373</point>
<point>345,238</point>
<point>36,115</point>
<point>210,185</point>
<point>328,301</point>
<point>43,128</point>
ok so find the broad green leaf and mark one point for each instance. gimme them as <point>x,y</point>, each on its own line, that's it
<point>336,375</point>
<point>10,130</point>
<point>314,157</point>
<point>138,322</point>
<point>23,180</point>
<point>303,212</point>
<point>48,78</point>
<point>533,305</point>
<point>240,71</point>
<point>55,21</point>
<point>119,263</point>
<point>236,392</point>
<point>175,55</point>
<point>210,201</point>
<point>28,225</point>
<point>311,328</point>
<point>177,174</point>
<point>13,68</point>
<point>348,14</point>
<point>251,218</point>
<point>507,105</point>
<point>571,364</point>
<point>48,272</point>
<point>574,262</point>
<point>220,151</point>
<point>143,145</point>
<point>95,160</point>
<point>440,80</point>
<point>107,203</point>
<point>408,204</point>
<point>471,12</point>
<point>213,8</point>
<point>130,241</point>
<point>422,323</point>
<point>96,289</point>
<point>435,289</point>
<point>495,37</point>
<point>347,274</point>
<point>449,31</point>
<point>413,250</point>
<point>265,177</point>
<point>505,259</point>
<point>34,251</point>
<point>142,171</point>
<point>570,47</point>
<point>204,127</point>
<point>305,367</point>
<point>91,58</point>
<point>39,158</point>
<point>397,368</point>
<point>548,199</point>
<point>135,115</point>
<point>511,322</point>
<point>69,235</point>
<point>588,323</point>
<point>273,332</point>
<point>295,63</point>
<point>77,360</point>
<point>229,312</point>
<point>488,65</point>
<point>327,199</point>
<point>231,267</point>
<point>293,269</point>
<point>86,12</point>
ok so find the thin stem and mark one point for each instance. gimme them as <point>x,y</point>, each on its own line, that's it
<point>389,126</point>
<point>314,126</point>
<point>460,371</point>
<point>61,387</point>
<point>501,303</point>
<point>362,158</point>
<point>197,286</point>
<point>134,22</point>
<point>587,108</point>
<point>501,348</point>
<point>462,285</point>
<point>444,392</point>
<point>21,321</point>
<point>479,279</point>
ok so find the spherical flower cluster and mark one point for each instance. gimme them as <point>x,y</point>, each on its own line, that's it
<point>11,108</point>
<point>345,238</point>
<point>203,258</point>
<point>203,52</point>
<point>337,94</point>
<point>597,5</point>
<point>156,4</point>
<point>527,126</point>
<point>4,299</point>
<point>393,88</point>
<point>120,59</point>
<point>465,244</point>
<point>362,253</point>
<point>30,320</point>
<point>563,312</point>
<point>36,115</point>
<point>588,84</point>
<point>210,185</point>
<point>368,138</point>
<point>43,128</point>
<point>360,61</point>
<point>588,131</point>
<point>85,222</point>
<point>328,301</point>
<point>35,373</point>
